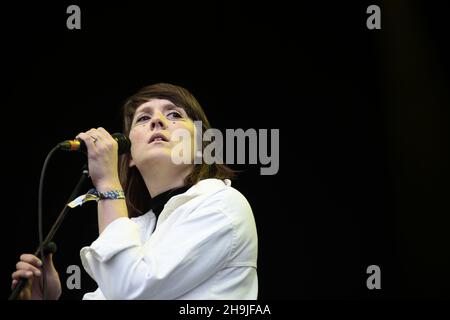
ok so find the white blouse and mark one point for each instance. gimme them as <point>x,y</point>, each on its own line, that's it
<point>203,246</point>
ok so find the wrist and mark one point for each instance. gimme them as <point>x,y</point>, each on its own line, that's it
<point>112,194</point>
<point>108,186</point>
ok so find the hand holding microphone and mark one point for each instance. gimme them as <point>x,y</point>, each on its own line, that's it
<point>102,150</point>
<point>79,145</point>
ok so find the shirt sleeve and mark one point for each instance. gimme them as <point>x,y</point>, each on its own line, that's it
<point>191,250</point>
<point>95,295</point>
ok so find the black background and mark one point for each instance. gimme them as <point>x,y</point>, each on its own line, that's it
<point>363,119</point>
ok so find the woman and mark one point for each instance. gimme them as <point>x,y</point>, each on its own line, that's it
<point>177,231</point>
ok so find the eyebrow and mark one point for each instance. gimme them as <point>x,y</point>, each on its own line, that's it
<point>164,107</point>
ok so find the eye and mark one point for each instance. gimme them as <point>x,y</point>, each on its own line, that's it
<point>174,115</point>
<point>142,118</point>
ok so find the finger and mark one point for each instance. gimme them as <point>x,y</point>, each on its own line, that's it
<point>28,267</point>
<point>104,133</point>
<point>95,132</point>
<point>87,138</point>
<point>31,259</point>
<point>98,136</point>
<point>105,139</point>
<point>17,275</point>
<point>78,136</point>
<point>14,284</point>
<point>108,139</point>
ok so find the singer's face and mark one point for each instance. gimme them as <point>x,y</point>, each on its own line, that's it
<point>151,133</point>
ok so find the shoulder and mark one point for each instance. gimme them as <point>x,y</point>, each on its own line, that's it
<point>219,195</point>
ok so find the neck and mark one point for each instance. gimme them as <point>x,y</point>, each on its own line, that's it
<point>162,178</point>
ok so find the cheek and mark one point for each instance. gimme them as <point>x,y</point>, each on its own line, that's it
<point>191,128</point>
<point>184,126</point>
<point>137,134</point>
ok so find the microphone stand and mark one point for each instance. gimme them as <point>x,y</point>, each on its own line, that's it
<point>47,245</point>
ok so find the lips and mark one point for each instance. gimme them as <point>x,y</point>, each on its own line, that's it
<point>157,137</point>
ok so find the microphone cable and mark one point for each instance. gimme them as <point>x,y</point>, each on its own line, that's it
<point>45,246</point>
<point>40,224</point>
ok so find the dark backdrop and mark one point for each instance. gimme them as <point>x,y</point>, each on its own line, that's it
<point>363,119</point>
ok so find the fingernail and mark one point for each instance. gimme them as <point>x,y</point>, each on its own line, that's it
<point>38,273</point>
<point>40,263</point>
<point>29,273</point>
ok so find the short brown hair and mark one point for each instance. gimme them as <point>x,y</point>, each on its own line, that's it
<point>137,195</point>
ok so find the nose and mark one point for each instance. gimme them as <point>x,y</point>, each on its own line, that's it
<point>158,121</point>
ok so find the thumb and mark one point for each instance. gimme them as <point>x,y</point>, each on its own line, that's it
<point>49,250</point>
<point>49,259</point>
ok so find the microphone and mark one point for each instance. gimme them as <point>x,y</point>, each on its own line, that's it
<point>78,145</point>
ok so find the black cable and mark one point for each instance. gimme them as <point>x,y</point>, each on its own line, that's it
<point>47,246</point>
<point>40,224</point>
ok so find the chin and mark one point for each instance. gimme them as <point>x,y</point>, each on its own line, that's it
<point>156,155</point>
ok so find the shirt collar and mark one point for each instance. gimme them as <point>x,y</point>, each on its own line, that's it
<point>158,202</point>
<point>203,187</point>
